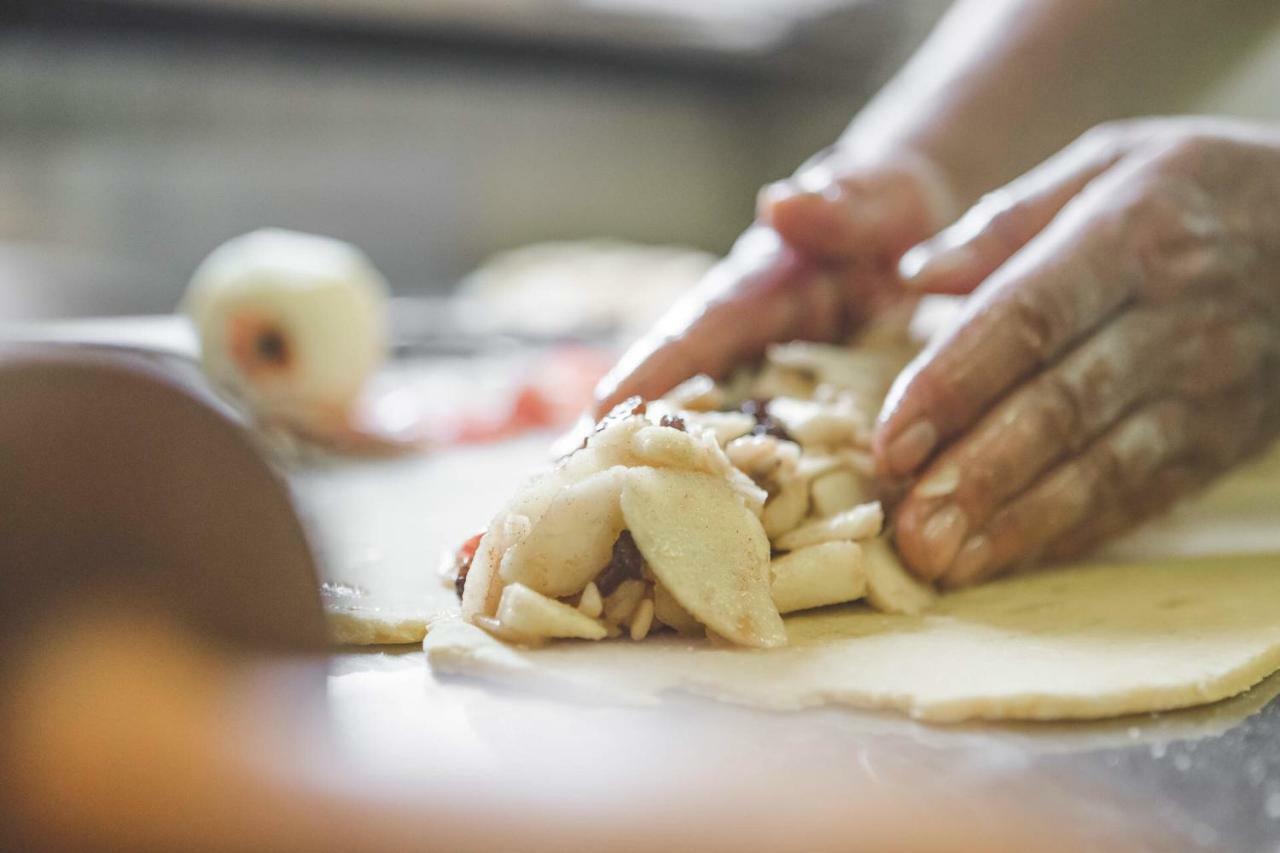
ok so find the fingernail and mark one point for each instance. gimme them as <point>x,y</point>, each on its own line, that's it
<point>929,261</point>
<point>913,261</point>
<point>971,560</point>
<point>912,447</point>
<point>940,483</point>
<point>943,534</point>
<point>773,193</point>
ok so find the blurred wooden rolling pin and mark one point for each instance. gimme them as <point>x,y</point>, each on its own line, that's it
<point>161,672</point>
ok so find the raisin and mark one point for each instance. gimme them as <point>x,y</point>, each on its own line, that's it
<point>766,424</point>
<point>626,562</point>
<point>673,421</point>
<point>757,407</point>
<point>770,425</point>
<point>462,560</point>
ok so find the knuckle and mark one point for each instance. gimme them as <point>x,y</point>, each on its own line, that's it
<point>978,220</point>
<point>946,400</point>
<point>1218,354</point>
<point>1111,138</point>
<point>1063,411</point>
<point>1153,230</point>
<point>1186,147</point>
<point>1105,477</point>
<point>1042,319</point>
<point>1007,225</point>
<point>1125,462</point>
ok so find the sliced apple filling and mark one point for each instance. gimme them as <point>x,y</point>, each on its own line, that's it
<point>712,511</point>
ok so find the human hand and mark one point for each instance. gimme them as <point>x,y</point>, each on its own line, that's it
<point>1121,347</point>
<point>819,262</point>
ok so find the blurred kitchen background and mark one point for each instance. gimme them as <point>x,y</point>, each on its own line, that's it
<point>136,136</point>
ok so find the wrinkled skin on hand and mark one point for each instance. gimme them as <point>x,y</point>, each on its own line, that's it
<point>1121,347</point>
<point>820,261</point>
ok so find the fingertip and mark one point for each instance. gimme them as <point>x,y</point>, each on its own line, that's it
<point>913,263</point>
<point>906,449</point>
<point>929,268</point>
<point>606,392</point>
<point>973,563</point>
<point>804,220</point>
<point>774,194</point>
<point>918,527</point>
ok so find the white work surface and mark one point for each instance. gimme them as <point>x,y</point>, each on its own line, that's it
<point>1208,777</point>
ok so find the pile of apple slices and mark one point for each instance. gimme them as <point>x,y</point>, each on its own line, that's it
<point>712,511</point>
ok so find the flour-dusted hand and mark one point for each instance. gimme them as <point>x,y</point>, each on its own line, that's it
<point>819,263</point>
<point>1121,348</point>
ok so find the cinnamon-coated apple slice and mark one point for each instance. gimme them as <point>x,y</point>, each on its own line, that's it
<point>572,540</point>
<point>707,549</point>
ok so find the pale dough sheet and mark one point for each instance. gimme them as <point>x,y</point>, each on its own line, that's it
<point>1079,643</point>
<point>380,529</point>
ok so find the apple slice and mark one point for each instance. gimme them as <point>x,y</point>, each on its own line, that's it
<point>524,612</point>
<point>514,522</point>
<point>664,447</point>
<point>837,491</point>
<point>830,573</point>
<point>698,394</point>
<point>669,612</point>
<point>865,370</point>
<point>862,522</point>
<point>572,540</point>
<point>725,426</point>
<point>890,589</point>
<point>707,549</point>
<point>816,424</point>
<point>786,509</point>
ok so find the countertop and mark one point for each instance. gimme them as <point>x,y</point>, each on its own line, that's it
<point>1205,778</point>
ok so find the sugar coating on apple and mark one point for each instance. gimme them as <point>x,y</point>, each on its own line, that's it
<point>295,324</point>
<point>692,449</point>
<point>707,550</point>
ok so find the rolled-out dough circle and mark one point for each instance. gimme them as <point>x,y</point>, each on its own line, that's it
<point>1082,642</point>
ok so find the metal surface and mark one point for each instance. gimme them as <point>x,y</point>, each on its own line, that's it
<point>1201,779</point>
